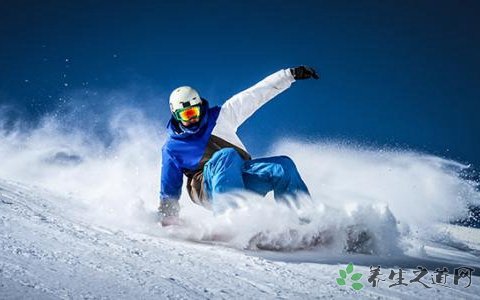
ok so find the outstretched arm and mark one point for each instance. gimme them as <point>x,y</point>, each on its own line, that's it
<point>241,106</point>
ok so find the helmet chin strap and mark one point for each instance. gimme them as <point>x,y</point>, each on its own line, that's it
<point>190,128</point>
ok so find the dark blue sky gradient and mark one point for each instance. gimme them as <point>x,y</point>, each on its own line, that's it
<point>396,73</point>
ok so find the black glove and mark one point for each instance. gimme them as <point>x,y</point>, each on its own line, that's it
<point>304,72</point>
<point>168,212</point>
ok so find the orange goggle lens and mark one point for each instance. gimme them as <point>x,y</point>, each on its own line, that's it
<point>188,113</point>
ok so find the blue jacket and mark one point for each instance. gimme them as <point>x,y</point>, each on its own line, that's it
<point>183,151</point>
<point>186,151</point>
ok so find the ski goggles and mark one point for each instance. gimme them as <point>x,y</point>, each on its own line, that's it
<point>187,113</point>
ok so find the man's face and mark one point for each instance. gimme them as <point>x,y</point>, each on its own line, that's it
<point>190,122</point>
<point>189,115</point>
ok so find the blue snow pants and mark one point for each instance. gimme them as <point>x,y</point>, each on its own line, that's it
<point>227,172</point>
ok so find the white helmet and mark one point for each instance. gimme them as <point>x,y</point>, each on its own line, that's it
<point>183,96</point>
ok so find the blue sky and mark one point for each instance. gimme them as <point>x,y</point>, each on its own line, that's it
<point>394,73</point>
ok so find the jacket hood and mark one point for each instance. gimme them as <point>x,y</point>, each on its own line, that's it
<point>177,131</point>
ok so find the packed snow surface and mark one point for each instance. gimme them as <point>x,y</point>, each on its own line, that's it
<point>77,220</point>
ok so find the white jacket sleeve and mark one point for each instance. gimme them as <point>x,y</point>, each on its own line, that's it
<point>241,106</point>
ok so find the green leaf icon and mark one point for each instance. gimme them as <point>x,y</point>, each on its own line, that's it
<point>357,286</point>
<point>350,268</point>
<point>356,276</point>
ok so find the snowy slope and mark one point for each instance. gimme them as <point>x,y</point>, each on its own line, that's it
<point>76,221</point>
<point>50,250</point>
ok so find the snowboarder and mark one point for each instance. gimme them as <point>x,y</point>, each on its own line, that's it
<point>203,145</point>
